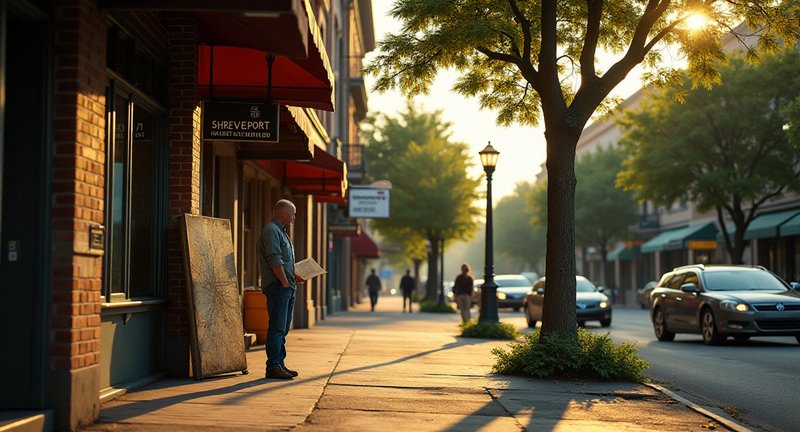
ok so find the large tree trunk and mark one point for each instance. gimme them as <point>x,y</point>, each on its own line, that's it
<point>558,315</point>
<point>734,246</point>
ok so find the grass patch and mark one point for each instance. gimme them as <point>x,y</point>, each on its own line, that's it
<point>435,306</point>
<point>487,330</point>
<point>589,357</point>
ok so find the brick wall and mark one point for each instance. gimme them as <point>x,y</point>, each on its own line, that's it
<point>78,192</point>
<point>184,179</point>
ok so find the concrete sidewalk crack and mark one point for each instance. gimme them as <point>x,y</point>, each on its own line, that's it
<point>330,375</point>
<point>510,414</point>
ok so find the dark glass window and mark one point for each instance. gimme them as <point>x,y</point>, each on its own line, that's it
<point>135,195</point>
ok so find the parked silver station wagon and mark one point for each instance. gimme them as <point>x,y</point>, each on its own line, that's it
<point>725,300</point>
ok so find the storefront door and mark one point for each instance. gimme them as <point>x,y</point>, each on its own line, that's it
<point>24,271</point>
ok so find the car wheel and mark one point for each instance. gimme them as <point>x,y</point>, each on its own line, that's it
<point>708,327</point>
<point>660,327</point>
<point>605,322</point>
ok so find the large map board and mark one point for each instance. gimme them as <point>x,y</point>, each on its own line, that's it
<point>215,313</point>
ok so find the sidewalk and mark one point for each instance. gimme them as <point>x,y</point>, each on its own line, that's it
<point>363,371</point>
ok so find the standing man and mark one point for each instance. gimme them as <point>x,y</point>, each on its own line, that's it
<point>374,287</point>
<point>407,287</point>
<point>278,283</point>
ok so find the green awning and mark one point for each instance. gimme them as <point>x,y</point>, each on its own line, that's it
<point>621,253</point>
<point>767,225</point>
<point>791,227</point>
<point>677,239</point>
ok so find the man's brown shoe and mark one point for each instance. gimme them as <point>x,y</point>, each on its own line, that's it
<point>291,372</point>
<point>278,373</point>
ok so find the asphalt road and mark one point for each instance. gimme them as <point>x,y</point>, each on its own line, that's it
<point>756,381</point>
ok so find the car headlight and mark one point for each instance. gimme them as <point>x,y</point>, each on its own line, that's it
<point>450,294</point>
<point>733,306</point>
<point>501,295</point>
<point>603,304</point>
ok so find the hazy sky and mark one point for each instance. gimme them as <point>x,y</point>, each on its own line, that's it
<point>522,148</point>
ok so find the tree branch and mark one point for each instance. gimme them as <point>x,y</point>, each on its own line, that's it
<point>590,41</point>
<point>525,26</point>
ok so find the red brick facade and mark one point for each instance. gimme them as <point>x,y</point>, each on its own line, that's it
<point>78,197</point>
<point>184,179</point>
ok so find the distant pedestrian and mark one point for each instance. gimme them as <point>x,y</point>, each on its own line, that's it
<point>276,259</point>
<point>462,290</point>
<point>374,287</point>
<point>407,284</point>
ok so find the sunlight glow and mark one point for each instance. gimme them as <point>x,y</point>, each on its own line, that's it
<point>696,21</point>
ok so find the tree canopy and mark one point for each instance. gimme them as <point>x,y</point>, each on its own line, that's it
<point>532,60</point>
<point>727,149</point>
<point>433,197</point>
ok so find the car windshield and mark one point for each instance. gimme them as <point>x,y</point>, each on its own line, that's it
<point>521,281</point>
<point>747,280</point>
<point>583,285</point>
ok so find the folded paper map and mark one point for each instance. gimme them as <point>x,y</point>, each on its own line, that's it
<point>308,268</point>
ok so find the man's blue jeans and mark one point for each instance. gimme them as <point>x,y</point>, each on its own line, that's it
<point>280,306</point>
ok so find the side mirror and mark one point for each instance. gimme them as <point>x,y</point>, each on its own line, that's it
<point>540,291</point>
<point>795,285</point>
<point>601,289</point>
<point>689,288</point>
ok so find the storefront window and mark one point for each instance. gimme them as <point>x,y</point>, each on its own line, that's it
<point>135,196</point>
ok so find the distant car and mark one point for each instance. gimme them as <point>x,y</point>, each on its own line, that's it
<point>511,290</point>
<point>643,294</point>
<point>725,300</point>
<point>590,303</point>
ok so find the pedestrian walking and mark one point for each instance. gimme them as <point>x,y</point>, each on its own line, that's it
<point>407,284</point>
<point>279,282</point>
<point>462,290</point>
<point>374,287</point>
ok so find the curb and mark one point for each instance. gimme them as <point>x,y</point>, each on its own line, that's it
<point>727,422</point>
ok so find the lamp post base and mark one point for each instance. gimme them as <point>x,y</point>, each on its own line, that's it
<point>488,309</point>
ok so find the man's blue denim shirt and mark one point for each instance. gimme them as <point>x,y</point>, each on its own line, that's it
<point>275,249</point>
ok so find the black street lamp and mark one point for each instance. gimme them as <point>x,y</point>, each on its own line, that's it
<point>488,311</point>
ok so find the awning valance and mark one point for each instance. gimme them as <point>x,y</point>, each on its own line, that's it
<point>364,246</point>
<point>324,177</point>
<point>676,239</point>
<point>767,225</point>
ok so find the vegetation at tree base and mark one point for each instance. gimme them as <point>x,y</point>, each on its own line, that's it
<point>515,238</point>
<point>433,198</point>
<point>728,148</point>
<point>539,59</point>
<point>589,357</point>
<point>488,330</point>
<point>435,306</point>
<point>603,212</point>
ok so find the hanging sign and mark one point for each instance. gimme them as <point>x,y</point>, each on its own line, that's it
<point>240,121</point>
<point>368,202</point>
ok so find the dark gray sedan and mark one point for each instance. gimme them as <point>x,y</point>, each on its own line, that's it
<point>591,304</point>
<point>722,301</point>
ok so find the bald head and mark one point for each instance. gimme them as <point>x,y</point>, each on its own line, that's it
<point>284,211</point>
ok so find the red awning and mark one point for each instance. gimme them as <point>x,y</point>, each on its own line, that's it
<point>324,177</point>
<point>242,73</point>
<point>364,246</point>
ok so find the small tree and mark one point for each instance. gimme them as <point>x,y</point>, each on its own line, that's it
<point>724,149</point>
<point>603,212</point>
<point>532,59</point>
<point>516,238</point>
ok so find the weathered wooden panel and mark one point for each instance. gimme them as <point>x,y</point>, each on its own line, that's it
<point>215,313</point>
